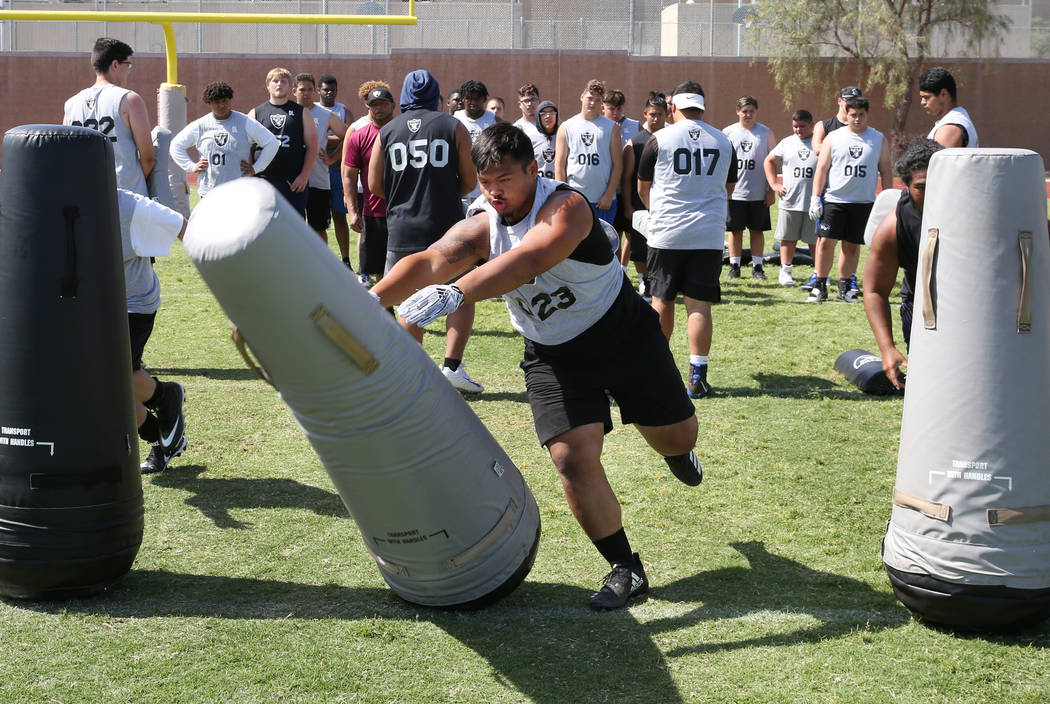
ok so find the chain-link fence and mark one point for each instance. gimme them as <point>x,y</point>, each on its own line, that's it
<point>640,27</point>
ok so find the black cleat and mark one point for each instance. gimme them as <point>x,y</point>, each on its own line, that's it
<point>698,386</point>
<point>686,468</point>
<point>624,582</point>
<point>169,416</point>
<point>757,273</point>
<point>158,460</point>
<point>817,294</point>
<point>734,272</point>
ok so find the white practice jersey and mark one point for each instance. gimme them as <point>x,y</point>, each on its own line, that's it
<point>589,165</point>
<point>687,200</point>
<point>98,107</point>
<point>537,138</point>
<point>319,172</point>
<point>143,219</point>
<point>628,129</point>
<point>544,149</point>
<point>475,128</point>
<point>958,116</point>
<point>225,144</point>
<point>339,109</point>
<point>798,162</point>
<point>572,295</point>
<point>854,173</point>
<point>751,147</point>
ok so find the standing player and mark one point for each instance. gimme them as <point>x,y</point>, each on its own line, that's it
<point>684,174</point>
<point>289,172</point>
<point>589,153</point>
<point>850,164</point>
<point>371,216</point>
<point>655,114</point>
<point>799,160</point>
<point>496,106</point>
<point>547,130</point>
<point>586,334</point>
<point>475,118</point>
<point>319,191</point>
<point>328,88</point>
<point>224,140</point>
<point>752,196</point>
<point>528,103</point>
<point>116,112</point>
<point>421,164</point>
<point>455,102</point>
<point>953,126</point>
<point>825,127</point>
<point>612,108</point>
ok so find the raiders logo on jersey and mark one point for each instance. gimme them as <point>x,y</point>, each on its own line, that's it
<point>548,156</point>
<point>90,103</point>
<point>855,150</point>
<point>587,138</point>
<point>222,138</point>
<point>745,146</point>
<point>414,125</point>
<point>803,153</point>
<point>694,133</point>
<point>474,134</point>
<point>277,121</point>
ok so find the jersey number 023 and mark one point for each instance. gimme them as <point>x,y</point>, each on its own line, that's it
<point>418,153</point>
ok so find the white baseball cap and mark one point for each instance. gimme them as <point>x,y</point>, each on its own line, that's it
<point>688,100</point>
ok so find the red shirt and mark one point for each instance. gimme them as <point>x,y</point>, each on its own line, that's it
<point>357,155</point>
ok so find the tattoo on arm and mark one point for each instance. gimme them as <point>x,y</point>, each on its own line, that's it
<point>457,249</point>
<point>464,242</point>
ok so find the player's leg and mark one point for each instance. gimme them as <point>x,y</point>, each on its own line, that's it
<point>664,267</point>
<point>758,223</point>
<point>699,330</point>
<point>457,332</point>
<point>318,211</point>
<point>848,260</point>
<point>158,404</point>
<point>338,208</point>
<point>736,222</point>
<point>788,232</point>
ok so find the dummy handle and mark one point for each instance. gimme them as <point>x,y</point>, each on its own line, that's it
<point>242,347</point>
<point>930,509</point>
<point>929,314</point>
<point>474,551</point>
<point>1024,304</point>
<point>70,281</point>
<point>1011,516</point>
<point>338,334</point>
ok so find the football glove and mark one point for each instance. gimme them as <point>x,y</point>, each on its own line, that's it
<point>816,208</point>
<point>430,303</point>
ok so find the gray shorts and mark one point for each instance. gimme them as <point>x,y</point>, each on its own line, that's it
<point>794,225</point>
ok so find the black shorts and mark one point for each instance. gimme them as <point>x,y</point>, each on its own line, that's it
<point>639,246</point>
<point>296,200</point>
<point>373,246</point>
<point>691,272</point>
<point>621,223</point>
<point>140,325</point>
<point>747,215</point>
<point>624,353</point>
<point>318,208</point>
<point>844,221</point>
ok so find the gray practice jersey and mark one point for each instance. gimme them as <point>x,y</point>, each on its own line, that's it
<point>798,162</point>
<point>688,163</point>
<point>628,129</point>
<point>854,173</point>
<point>544,150</point>
<point>98,107</point>
<point>475,128</point>
<point>568,298</point>
<point>225,144</point>
<point>319,172</point>
<point>958,116</point>
<point>751,147</point>
<point>142,218</point>
<point>589,165</point>
<point>538,139</point>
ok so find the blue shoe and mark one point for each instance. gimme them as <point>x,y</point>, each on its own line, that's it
<point>808,286</point>
<point>698,386</point>
<point>853,286</point>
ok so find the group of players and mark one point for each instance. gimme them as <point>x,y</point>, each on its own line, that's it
<point>462,207</point>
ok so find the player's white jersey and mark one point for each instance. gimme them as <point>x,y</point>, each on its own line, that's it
<point>589,165</point>
<point>339,109</point>
<point>751,147</point>
<point>545,154</point>
<point>537,138</point>
<point>628,129</point>
<point>957,116</point>
<point>854,173</point>
<point>98,108</point>
<point>687,200</point>
<point>563,301</point>
<point>475,128</point>
<point>798,162</point>
<point>319,172</point>
<point>225,144</point>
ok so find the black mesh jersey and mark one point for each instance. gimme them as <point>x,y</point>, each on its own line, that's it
<point>286,123</point>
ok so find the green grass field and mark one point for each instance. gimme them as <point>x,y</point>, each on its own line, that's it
<point>252,584</point>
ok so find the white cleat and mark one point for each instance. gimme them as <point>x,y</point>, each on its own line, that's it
<point>785,277</point>
<point>461,381</point>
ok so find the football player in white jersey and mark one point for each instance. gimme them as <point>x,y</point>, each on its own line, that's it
<point>225,140</point>
<point>328,89</point>
<point>319,192</point>
<point>655,113</point>
<point>119,113</point>
<point>953,126</point>
<point>528,104</point>
<point>749,203</point>
<point>589,153</point>
<point>586,331</point>
<point>685,174</point>
<point>475,117</point>
<point>795,157</point>
<point>497,106</point>
<point>850,163</point>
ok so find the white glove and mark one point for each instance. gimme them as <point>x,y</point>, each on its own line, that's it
<point>428,304</point>
<point>816,208</point>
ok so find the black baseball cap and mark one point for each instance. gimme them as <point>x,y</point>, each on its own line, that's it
<point>378,94</point>
<point>849,92</point>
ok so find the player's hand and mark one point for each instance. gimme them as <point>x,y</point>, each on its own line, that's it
<point>816,208</point>
<point>428,304</point>
<point>299,184</point>
<point>247,168</point>
<point>605,202</point>
<point>891,365</point>
<point>779,189</point>
<point>202,165</point>
<point>628,212</point>
<point>355,222</point>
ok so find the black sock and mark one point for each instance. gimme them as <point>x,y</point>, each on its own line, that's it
<point>453,364</point>
<point>158,395</point>
<point>150,429</point>
<point>615,548</point>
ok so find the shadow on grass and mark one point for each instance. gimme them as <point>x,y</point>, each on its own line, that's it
<point>237,374</point>
<point>215,496</point>
<point>802,387</point>
<point>515,396</point>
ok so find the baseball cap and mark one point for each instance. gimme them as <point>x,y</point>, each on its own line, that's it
<point>849,92</point>
<point>378,94</point>
<point>688,100</point>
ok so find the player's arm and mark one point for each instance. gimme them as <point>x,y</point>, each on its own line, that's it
<point>818,136</point>
<point>561,155</point>
<point>885,172</point>
<point>771,165</point>
<point>180,150</point>
<point>949,136</point>
<point>820,174</point>
<point>339,128</point>
<point>625,181</point>
<point>310,137</point>
<point>561,224</point>
<point>468,177</point>
<point>616,154</point>
<point>880,274</point>
<point>133,112</point>
<point>264,138</point>
<point>460,248</point>
<point>770,146</point>
<point>647,168</point>
<point>732,175</point>
<point>376,167</point>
